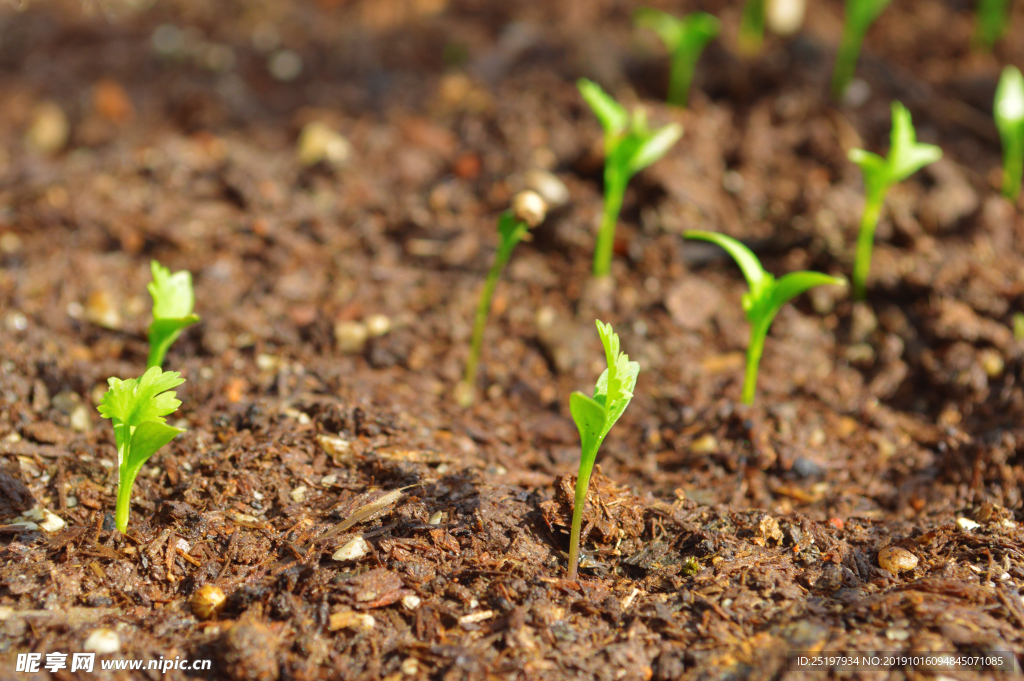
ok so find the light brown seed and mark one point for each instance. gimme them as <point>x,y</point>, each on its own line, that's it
<point>208,601</point>
<point>896,560</point>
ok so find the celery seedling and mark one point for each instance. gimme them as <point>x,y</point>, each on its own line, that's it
<point>992,19</point>
<point>594,417</point>
<point>860,14</point>
<point>1009,114</point>
<point>906,157</point>
<point>764,299</point>
<point>752,26</point>
<point>685,39</point>
<point>513,226</point>
<point>136,408</point>
<point>173,301</point>
<point>629,147</point>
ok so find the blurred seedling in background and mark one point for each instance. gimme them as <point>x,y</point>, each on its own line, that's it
<point>1009,115</point>
<point>993,16</point>
<point>906,157</point>
<point>136,408</point>
<point>173,301</point>
<point>860,14</point>
<point>629,147</point>
<point>752,27</point>
<point>528,210</point>
<point>594,417</point>
<point>685,39</point>
<point>765,298</point>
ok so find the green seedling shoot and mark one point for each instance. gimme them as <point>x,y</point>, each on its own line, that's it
<point>764,299</point>
<point>594,417</point>
<point>136,408</point>
<point>992,19</point>
<point>685,39</point>
<point>906,157</point>
<point>629,147</point>
<point>860,14</point>
<point>512,230</point>
<point>752,26</point>
<point>173,301</point>
<point>1009,114</point>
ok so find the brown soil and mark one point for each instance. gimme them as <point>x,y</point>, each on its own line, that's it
<point>719,537</point>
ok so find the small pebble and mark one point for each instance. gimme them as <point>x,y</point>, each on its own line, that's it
<point>102,642</point>
<point>49,129</point>
<point>319,142</point>
<point>410,666</point>
<point>284,65</point>
<point>785,17</point>
<point>347,619</point>
<point>706,444</point>
<point>351,336</point>
<point>966,524</point>
<point>353,550</point>
<point>338,448</point>
<point>378,325</point>
<point>208,601</point>
<point>298,494</point>
<point>411,602</point>
<point>896,560</point>
<point>42,519</point>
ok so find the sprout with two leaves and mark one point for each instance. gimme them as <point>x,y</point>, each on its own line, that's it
<point>1009,115</point>
<point>594,417</point>
<point>765,298</point>
<point>906,157</point>
<point>860,14</point>
<point>137,408</point>
<point>173,301</point>
<point>629,147</point>
<point>685,39</point>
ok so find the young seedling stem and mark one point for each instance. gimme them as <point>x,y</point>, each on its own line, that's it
<point>136,408</point>
<point>685,39</point>
<point>765,298</point>
<point>752,27</point>
<point>173,301</point>
<point>513,226</point>
<point>906,157</point>
<point>594,417</point>
<point>1009,115</point>
<point>629,147</point>
<point>860,14</point>
<point>992,19</point>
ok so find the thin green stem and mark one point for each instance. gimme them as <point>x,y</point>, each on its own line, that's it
<point>758,333</point>
<point>483,310</point>
<point>582,484</point>
<point>680,77</point>
<point>752,26</point>
<point>124,499</point>
<point>846,60</point>
<point>865,242</point>
<point>1013,167</point>
<point>614,191</point>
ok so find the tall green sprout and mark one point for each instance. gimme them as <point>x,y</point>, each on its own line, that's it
<point>629,147</point>
<point>764,299</point>
<point>860,14</point>
<point>594,417</point>
<point>1009,115</point>
<point>906,157</point>
<point>993,17</point>
<point>685,39</point>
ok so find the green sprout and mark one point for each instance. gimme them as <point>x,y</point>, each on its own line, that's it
<point>513,225</point>
<point>1009,114</point>
<point>173,301</point>
<point>906,157</point>
<point>629,147</point>
<point>860,14</point>
<point>764,299</point>
<point>594,417</point>
<point>752,26</point>
<point>992,19</point>
<point>685,38</point>
<point>136,408</point>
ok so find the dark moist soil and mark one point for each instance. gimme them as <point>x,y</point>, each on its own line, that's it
<point>719,537</point>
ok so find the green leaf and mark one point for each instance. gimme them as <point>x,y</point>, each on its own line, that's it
<point>793,284</point>
<point>1009,103</point>
<point>753,272</point>
<point>653,147</point>
<point>862,13</point>
<point>146,440</point>
<point>610,113</point>
<point>172,293</point>
<point>589,416</point>
<point>615,386</point>
<point>670,29</point>
<point>906,155</point>
<point>137,400</point>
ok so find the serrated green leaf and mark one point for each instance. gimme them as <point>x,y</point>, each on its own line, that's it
<point>172,293</point>
<point>611,114</point>
<point>653,147</point>
<point>137,400</point>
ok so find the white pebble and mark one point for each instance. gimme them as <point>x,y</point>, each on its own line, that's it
<point>378,325</point>
<point>353,550</point>
<point>411,602</point>
<point>967,524</point>
<point>298,494</point>
<point>102,641</point>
